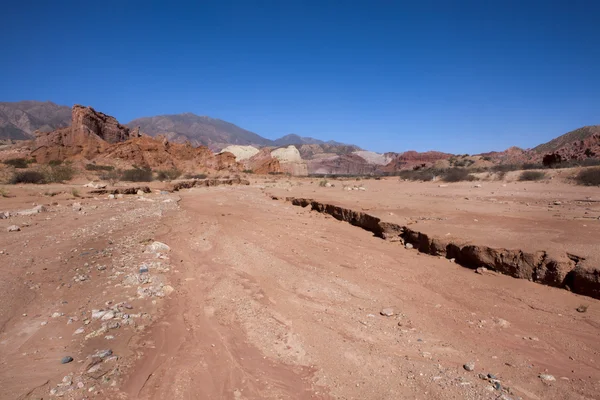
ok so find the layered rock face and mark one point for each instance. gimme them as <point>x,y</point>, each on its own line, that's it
<point>90,134</point>
<point>290,161</point>
<point>95,135</point>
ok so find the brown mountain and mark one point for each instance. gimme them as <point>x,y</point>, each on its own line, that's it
<point>198,130</point>
<point>19,120</point>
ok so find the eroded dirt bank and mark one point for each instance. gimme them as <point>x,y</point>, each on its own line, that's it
<point>560,270</point>
<point>274,301</point>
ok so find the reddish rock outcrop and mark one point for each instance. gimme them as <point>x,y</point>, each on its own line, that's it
<point>150,152</point>
<point>263,162</point>
<point>90,134</point>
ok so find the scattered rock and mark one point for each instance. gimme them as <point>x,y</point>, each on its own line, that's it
<point>387,312</point>
<point>108,315</point>
<point>582,308</point>
<point>13,228</point>
<point>157,247</point>
<point>103,353</point>
<point>76,206</point>
<point>143,269</point>
<point>408,245</point>
<point>557,203</point>
<point>470,366</point>
<point>140,193</point>
<point>481,270</point>
<point>547,377</point>
<point>66,360</point>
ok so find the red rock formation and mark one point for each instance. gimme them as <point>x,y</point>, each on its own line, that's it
<point>150,152</point>
<point>410,159</point>
<point>263,162</point>
<point>90,134</point>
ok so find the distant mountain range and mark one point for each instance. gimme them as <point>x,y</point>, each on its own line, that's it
<point>20,120</point>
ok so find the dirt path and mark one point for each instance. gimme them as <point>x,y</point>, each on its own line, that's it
<point>273,301</point>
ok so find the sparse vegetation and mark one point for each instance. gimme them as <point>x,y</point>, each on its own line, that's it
<point>54,163</point>
<point>588,177</point>
<point>457,175</point>
<point>4,192</point>
<point>60,173</point>
<point>168,175</point>
<point>418,175</point>
<point>28,177</point>
<point>75,192</point>
<point>137,175</point>
<point>248,171</point>
<point>17,162</point>
<point>323,183</point>
<point>94,167</point>
<point>112,176</point>
<point>195,176</point>
<point>532,176</point>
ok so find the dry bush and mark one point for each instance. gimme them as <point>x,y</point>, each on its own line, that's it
<point>27,177</point>
<point>532,176</point>
<point>588,177</point>
<point>457,175</point>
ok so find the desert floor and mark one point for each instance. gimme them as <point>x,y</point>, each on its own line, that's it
<point>259,299</point>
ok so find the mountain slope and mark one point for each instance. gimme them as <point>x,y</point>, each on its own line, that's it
<point>568,139</point>
<point>293,139</point>
<point>198,130</point>
<point>19,120</point>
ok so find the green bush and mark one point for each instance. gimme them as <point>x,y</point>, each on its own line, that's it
<point>168,175</point>
<point>137,175</point>
<point>323,183</point>
<point>94,167</point>
<point>457,175</point>
<point>532,176</point>
<point>54,163</point>
<point>588,177</point>
<point>17,162</point>
<point>248,171</point>
<point>28,177</point>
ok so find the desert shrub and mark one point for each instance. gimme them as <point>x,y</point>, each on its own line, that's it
<point>505,168</point>
<point>590,162</point>
<point>75,192</point>
<point>137,175</point>
<point>17,162</point>
<point>588,177</point>
<point>532,176</point>
<point>94,167</point>
<point>4,192</point>
<point>417,175</point>
<point>60,173</point>
<point>248,171</point>
<point>168,174</point>
<point>54,163</point>
<point>195,176</point>
<point>28,177</point>
<point>457,175</point>
<point>323,183</point>
<point>532,166</point>
<point>113,176</point>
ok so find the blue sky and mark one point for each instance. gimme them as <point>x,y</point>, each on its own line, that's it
<point>455,76</point>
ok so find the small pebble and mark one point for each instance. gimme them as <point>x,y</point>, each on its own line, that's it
<point>547,377</point>
<point>470,366</point>
<point>387,312</point>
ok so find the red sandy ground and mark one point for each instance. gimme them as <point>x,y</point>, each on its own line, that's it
<point>276,301</point>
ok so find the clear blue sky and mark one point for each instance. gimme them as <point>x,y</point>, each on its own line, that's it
<point>454,76</point>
